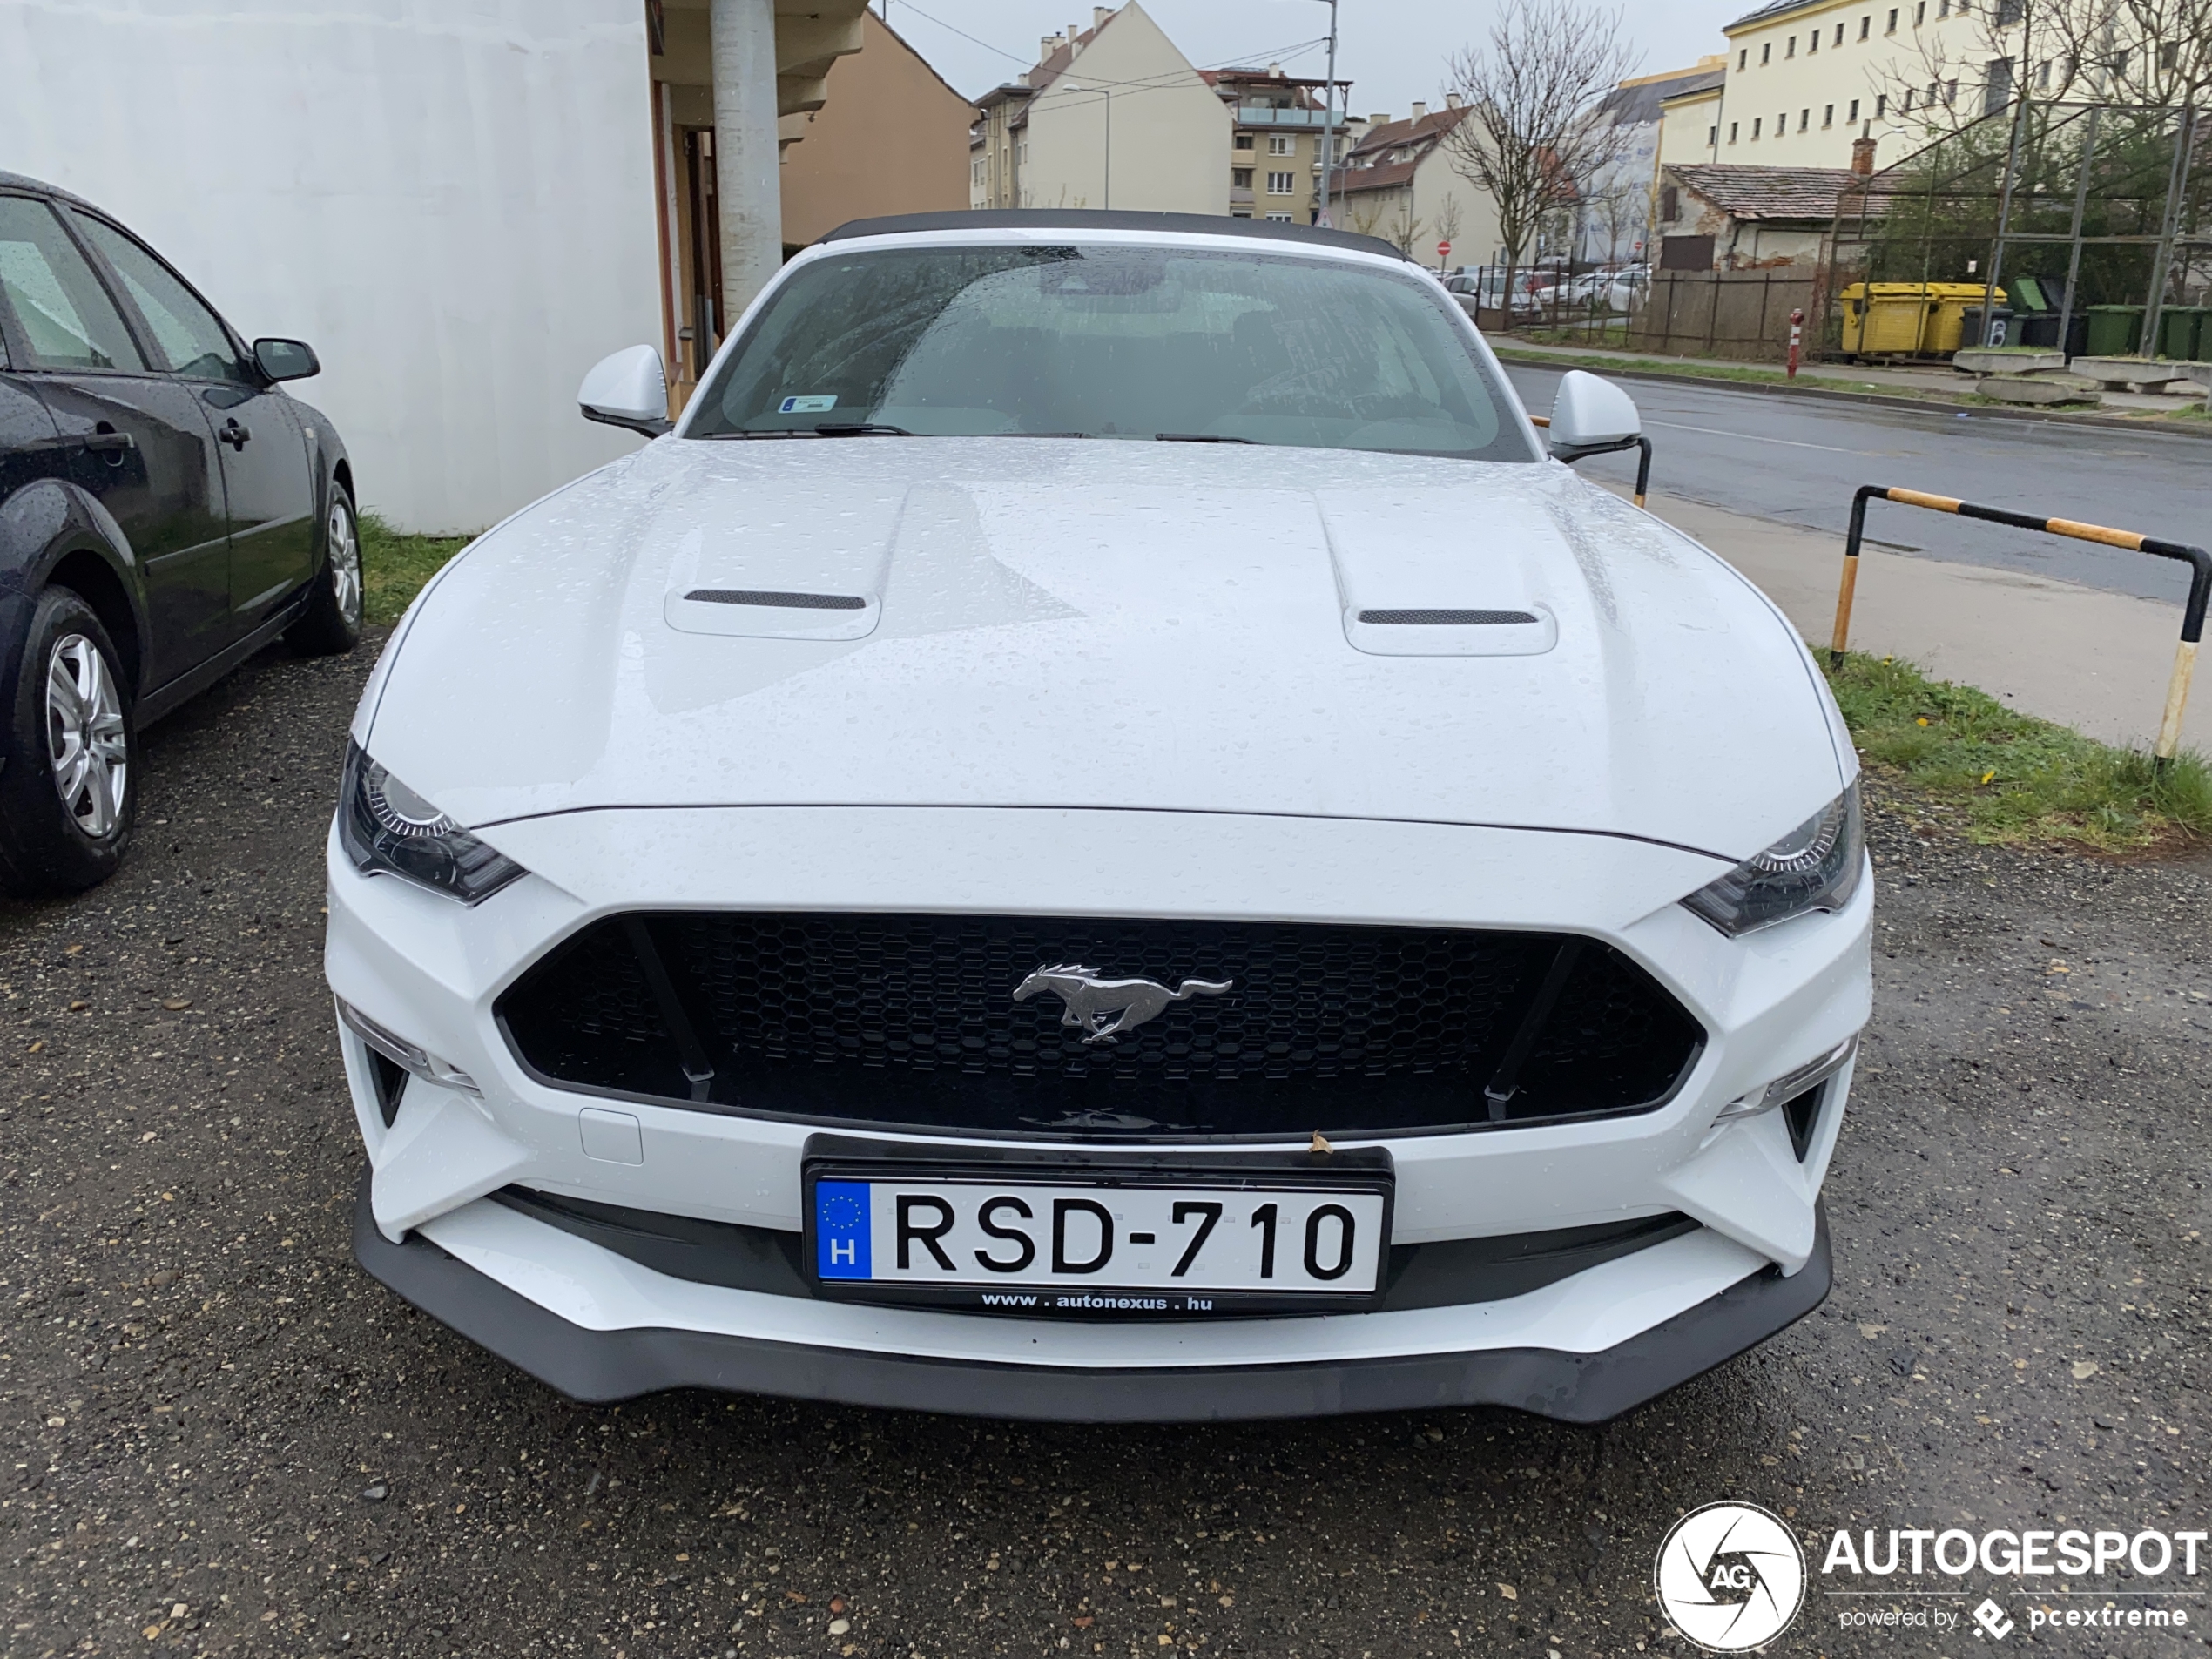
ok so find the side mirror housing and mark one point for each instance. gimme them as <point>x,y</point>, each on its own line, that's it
<point>1592,417</point>
<point>627,389</point>
<point>287,359</point>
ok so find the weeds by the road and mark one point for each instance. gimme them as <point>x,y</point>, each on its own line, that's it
<point>2014,777</point>
<point>1684,369</point>
<point>395,564</point>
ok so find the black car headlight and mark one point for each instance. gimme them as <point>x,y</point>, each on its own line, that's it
<point>1816,866</point>
<point>388,829</point>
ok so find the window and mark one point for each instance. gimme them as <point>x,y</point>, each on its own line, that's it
<point>1943,7</point>
<point>1828,117</point>
<point>1853,116</point>
<point>2043,73</point>
<point>1865,24</point>
<point>1744,57</point>
<point>1892,23</point>
<point>1951,91</point>
<point>188,334</point>
<point>1281,184</point>
<point>1280,218</point>
<point>1243,140</point>
<point>1908,105</point>
<point>1812,42</point>
<point>67,315</point>
<point>2008,13</point>
<point>1712,137</point>
<point>1781,123</point>
<point>1997,91</point>
<point>1733,127</point>
<point>1920,13</point>
<point>1278,144</point>
<point>1755,130</point>
<point>1839,34</point>
<point>1116,340</point>
<point>1669,203</point>
<point>1805,120</point>
<point>2169,55</point>
<point>1766,54</point>
<point>1881,105</point>
<point>1241,177</point>
<point>2119,64</point>
<point>1791,49</point>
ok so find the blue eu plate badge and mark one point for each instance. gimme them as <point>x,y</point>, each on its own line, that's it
<point>842,1230</point>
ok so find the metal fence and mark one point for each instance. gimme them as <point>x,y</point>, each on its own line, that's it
<point>1742,314</point>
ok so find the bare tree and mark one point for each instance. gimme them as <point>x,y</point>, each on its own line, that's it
<point>1533,135</point>
<point>1448,221</point>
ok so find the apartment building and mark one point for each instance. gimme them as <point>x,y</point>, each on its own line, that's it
<point>1804,78</point>
<point>1111,117</point>
<point>1275,143</point>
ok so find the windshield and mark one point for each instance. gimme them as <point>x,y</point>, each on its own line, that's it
<point>1111,341</point>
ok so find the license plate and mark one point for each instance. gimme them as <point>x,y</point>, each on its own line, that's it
<point>1143,1243</point>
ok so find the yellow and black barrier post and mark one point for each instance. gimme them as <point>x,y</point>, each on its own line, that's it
<point>2199,561</point>
<point>1643,456</point>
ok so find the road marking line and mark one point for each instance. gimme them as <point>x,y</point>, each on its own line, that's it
<point>1722,432</point>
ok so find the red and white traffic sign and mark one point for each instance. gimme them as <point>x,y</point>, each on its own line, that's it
<point>1443,250</point>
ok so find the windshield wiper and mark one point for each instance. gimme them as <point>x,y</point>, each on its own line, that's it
<point>861,429</point>
<point>1196,437</point>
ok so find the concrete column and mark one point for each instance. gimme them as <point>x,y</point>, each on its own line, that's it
<point>750,191</point>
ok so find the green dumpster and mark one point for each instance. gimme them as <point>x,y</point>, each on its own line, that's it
<point>2180,332</point>
<point>2115,331</point>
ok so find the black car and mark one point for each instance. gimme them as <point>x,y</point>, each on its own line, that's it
<point>165,511</point>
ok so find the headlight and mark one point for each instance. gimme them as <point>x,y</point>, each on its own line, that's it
<point>1815,867</point>
<point>388,829</point>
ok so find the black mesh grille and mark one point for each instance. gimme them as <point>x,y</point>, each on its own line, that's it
<point>911,1020</point>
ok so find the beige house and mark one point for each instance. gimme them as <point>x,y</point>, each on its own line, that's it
<point>1398,183</point>
<point>1716,217</point>
<point>1112,116</point>
<point>891,138</point>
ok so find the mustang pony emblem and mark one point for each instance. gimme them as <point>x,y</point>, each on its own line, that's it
<point>1102,1009</point>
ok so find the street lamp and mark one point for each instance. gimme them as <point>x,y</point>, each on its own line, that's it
<point>1329,118</point>
<point>1107,93</point>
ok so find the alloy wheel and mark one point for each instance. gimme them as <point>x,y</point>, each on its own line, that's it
<point>344,564</point>
<point>85,739</point>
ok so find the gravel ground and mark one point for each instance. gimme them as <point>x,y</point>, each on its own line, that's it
<point>227,1440</point>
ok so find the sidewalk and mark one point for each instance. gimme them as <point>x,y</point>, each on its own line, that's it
<point>2093,660</point>
<point>1935,383</point>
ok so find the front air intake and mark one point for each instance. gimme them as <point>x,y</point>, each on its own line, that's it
<point>911,1020</point>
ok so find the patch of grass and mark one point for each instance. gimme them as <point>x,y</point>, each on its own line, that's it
<point>395,564</point>
<point>2011,777</point>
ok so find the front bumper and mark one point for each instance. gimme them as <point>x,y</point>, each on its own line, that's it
<point>621,1363</point>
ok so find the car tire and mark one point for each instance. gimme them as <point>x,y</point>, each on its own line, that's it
<point>69,790</point>
<point>332,622</point>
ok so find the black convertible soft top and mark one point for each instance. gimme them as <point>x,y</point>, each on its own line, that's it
<point>1093,219</point>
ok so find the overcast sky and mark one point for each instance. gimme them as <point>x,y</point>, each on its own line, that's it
<point>1393,50</point>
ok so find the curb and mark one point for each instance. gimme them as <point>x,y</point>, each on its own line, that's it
<point>1838,395</point>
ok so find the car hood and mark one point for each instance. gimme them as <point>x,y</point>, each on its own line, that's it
<point>1092,623</point>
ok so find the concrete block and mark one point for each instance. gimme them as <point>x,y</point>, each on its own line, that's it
<point>2007,359</point>
<point>2136,373</point>
<point>2039,389</point>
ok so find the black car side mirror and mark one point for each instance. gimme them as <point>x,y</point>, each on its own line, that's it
<point>287,359</point>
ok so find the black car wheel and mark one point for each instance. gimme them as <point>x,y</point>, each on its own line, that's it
<point>69,788</point>
<point>332,622</point>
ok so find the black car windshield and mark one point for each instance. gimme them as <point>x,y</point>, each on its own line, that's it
<point>1111,340</point>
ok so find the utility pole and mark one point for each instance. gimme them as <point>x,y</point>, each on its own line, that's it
<point>1329,121</point>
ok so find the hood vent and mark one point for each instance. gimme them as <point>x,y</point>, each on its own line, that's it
<point>778,601</point>
<point>1444,618</point>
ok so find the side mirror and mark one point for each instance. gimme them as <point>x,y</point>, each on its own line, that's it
<point>1592,417</point>
<point>627,389</point>
<point>287,359</point>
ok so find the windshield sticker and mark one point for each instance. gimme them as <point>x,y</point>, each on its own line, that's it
<point>812,405</point>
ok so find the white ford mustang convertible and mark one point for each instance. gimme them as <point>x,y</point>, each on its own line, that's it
<point>1101,831</point>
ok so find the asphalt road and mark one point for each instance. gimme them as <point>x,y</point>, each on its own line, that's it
<point>1798,460</point>
<point>226,1441</point>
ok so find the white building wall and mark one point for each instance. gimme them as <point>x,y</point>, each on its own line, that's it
<point>1170,129</point>
<point>451,200</point>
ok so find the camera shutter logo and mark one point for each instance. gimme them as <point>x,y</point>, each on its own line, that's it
<point>1729,1577</point>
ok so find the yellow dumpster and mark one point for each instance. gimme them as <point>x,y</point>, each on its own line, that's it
<point>1948,303</point>
<point>1885,318</point>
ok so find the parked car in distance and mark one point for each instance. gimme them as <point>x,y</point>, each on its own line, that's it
<point>166,510</point>
<point>964,884</point>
